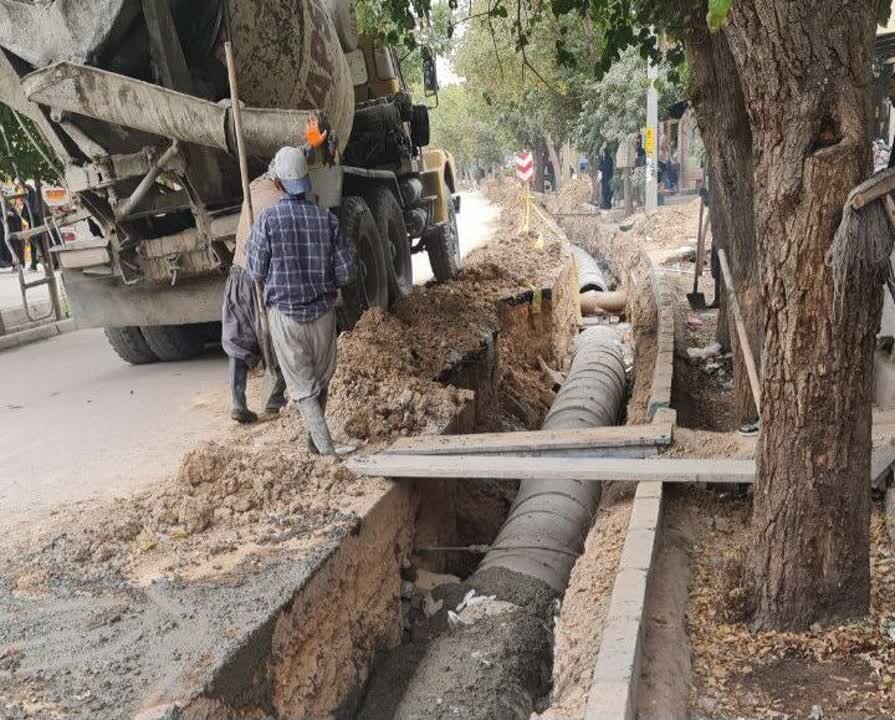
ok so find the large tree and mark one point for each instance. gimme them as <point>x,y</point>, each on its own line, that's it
<point>525,90</point>
<point>782,94</point>
<point>806,73</point>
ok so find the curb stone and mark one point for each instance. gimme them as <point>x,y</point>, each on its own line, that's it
<point>616,677</point>
<point>41,332</point>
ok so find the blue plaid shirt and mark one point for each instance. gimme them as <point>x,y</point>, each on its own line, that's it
<point>296,249</point>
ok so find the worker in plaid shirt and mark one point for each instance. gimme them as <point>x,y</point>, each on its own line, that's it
<point>297,251</point>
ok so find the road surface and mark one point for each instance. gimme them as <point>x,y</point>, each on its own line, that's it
<point>11,293</point>
<point>79,424</point>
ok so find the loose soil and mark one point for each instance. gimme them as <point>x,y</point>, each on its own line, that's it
<point>846,671</point>
<point>665,671</point>
<point>584,607</point>
<point>259,493</point>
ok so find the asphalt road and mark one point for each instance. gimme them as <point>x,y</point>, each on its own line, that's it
<point>78,423</point>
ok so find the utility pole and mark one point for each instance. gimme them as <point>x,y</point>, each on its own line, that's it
<point>652,140</point>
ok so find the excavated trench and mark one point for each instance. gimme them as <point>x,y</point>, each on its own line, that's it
<point>482,647</point>
<point>379,627</point>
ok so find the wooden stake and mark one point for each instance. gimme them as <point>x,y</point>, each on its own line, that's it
<point>748,357</point>
<point>247,194</point>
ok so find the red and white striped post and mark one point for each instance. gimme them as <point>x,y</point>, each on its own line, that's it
<point>525,171</point>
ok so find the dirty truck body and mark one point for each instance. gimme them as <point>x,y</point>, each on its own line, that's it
<point>132,97</point>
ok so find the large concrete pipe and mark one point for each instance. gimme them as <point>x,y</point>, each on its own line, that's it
<point>590,274</point>
<point>495,662</point>
<point>547,524</point>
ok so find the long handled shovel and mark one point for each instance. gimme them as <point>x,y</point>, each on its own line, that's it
<point>696,298</point>
<point>266,348</point>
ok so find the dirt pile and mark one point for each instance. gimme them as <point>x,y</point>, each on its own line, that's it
<point>574,196</point>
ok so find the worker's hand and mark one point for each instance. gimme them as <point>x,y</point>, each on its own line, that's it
<point>313,135</point>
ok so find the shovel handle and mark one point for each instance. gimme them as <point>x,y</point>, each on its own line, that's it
<point>745,346</point>
<point>266,348</point>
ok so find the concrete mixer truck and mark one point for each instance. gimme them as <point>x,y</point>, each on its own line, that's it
<point>132,98</point>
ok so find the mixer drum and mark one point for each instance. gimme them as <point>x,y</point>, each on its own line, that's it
<point>288,53</point>
<point>289,56</point>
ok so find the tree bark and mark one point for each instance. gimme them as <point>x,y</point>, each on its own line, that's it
<point>541,159</point>
<point>805,68</point>
<point>720,107</point>
<point>553,153</point>
<point>596,190</point>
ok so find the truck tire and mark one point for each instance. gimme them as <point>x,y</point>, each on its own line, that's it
<point>130,345</point>
<point>443,247</point>
<point>370,285</point>
<point>172,343</point>
<point>390,222</point>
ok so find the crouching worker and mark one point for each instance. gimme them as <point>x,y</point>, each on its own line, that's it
<point>240,315</point>
<point>297,250</point>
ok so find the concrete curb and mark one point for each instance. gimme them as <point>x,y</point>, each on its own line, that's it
<point>616,678</point>
<point>660,390</point>
<point>41,332</point>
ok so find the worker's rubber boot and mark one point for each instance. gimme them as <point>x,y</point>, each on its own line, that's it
<point>315,424</point>
<point>239,373</point>
<point>277,400</point>
<point>321,398</point>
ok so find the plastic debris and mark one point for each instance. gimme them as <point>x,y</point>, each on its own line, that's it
<point>709,351</point>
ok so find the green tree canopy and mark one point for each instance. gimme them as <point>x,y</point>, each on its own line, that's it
<point>18,156</point>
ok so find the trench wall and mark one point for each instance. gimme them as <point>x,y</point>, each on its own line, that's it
<point>314,656</point>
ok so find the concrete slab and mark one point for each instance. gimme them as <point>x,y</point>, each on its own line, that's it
<point>35,334</point>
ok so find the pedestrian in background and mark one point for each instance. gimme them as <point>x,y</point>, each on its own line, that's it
<point>607,170</point>
<point>297,250</point>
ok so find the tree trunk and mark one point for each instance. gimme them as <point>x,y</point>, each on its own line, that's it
<point>720,108</point>
<point>805,67</point>
<point>595,189</point>
<point>540,158</point>
<point>553,153</point>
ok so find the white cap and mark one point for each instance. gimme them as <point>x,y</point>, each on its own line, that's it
<point>291,169</point>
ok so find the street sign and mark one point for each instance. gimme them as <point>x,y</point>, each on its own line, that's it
<point>649,142</point>
<point>525,166</point>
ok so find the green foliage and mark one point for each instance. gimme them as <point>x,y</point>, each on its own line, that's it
<point>615,109</point>
<point>462,125</point>
<point>885,12</point>
<point>408,25</point>
<point>526,91</point>
<point>717,14</point>
<point>19,157</point>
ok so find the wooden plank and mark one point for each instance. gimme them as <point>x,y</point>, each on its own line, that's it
<point>714,471</point>
<point>627,436</point>
<point>878,186</point>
